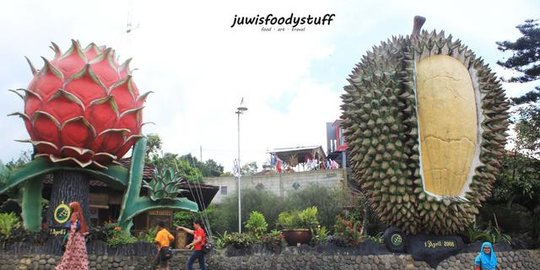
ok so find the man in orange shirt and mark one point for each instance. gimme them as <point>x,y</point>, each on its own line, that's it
<point>199,239</point>
<point>163,242</point>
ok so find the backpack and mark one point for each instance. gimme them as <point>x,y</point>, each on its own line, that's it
<point>207,247</point>
<point>166,254</point>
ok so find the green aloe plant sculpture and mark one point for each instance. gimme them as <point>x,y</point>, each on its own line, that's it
<point>165,185</point>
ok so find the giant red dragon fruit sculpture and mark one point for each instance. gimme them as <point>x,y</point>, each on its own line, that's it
<point>82,107</point>
<point>83,112</point>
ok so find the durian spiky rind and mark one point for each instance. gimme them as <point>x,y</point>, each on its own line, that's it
<point>381,128</point>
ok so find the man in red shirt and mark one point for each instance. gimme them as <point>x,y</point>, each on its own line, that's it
<point>199,239</point>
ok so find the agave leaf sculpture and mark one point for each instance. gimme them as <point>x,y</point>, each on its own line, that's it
<point>165,185</point>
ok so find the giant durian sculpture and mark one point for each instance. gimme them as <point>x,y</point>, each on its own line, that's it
<point>426,124</point>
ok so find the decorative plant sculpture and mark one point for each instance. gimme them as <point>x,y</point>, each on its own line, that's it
<point>165,185</point>
<point>83,112</point>
<point>425,120</point>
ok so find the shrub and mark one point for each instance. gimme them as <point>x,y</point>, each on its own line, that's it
<point>183,218</point>
<point>222,218</point>
<point>308,217</point>
<point>329,202</point>
<point>218,241</point>
<point>288,220</point>
<point>19,234</point>
<point>238,240</point>
<point>262,201</point>
<point>272,240</point>
<point>348,231</point>
<point>114,235</point>
<point>320,234</point>
<point>378,238</point>
<point>8,222</point>
<point>512,218</point>
<point>121,238</point>
<point>256,224</point>
<point>490,234</point>
<point>96,233</point>
<point>305,219</point>
<point>149,235</point>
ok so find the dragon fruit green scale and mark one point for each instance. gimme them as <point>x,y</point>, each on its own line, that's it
<point>82,108</point>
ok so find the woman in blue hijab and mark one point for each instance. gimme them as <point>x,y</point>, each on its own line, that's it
<point>486,259</point>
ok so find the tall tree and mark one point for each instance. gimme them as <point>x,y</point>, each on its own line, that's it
<point>188,166</point>
<point>526,52</point>
<point>183,167</point>
<point>153,147</point>
<point>528,130</point>
<point>519,181</point>
<point>250,168</point>
<point>190,159</point>
<point>210,168</point>
<point>24,158</point>
<point>525,60</point>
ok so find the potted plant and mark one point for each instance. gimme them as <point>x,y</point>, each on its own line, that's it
<point>297,226</point>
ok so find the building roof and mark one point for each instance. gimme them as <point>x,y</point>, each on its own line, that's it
<point>199,193</point>
<point>300,154</point>
<point>297,148</point>
<point>148,170</point>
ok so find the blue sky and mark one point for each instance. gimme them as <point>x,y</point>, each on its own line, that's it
<point>199,67</point>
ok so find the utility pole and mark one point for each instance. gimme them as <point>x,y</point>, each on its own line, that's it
<point>239,111</point>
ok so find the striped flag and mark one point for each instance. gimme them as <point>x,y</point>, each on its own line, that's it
<point>236,168</point>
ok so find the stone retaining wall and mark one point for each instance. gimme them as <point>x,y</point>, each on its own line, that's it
<point>289,259</point>
<point>518,260</point>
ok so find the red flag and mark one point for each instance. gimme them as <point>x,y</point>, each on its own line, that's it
<point>278,166</point>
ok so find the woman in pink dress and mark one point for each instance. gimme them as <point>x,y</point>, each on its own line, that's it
<point>75,256</point>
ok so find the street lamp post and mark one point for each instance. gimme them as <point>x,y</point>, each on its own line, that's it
<point>239,111</point>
